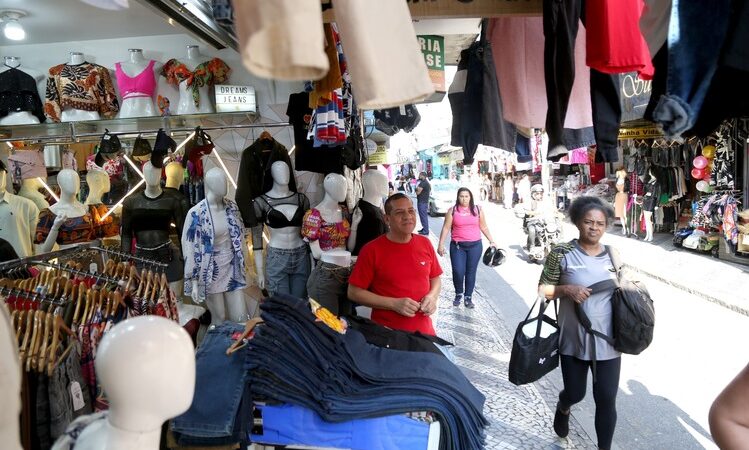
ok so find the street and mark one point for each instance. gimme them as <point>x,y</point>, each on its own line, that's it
<point>665,393</point>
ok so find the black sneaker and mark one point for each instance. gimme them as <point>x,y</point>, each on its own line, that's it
<point>458,299</point>
<point>469,303</point>
<point>561,423</point>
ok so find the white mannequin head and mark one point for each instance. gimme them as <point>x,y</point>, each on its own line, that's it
<point>174,175</point>
<point>335,187</point>
<point>375,183</point>
<point>215,183</point>
<point>69,182</point>
<point>146,366</point>
<point>152,175</point>
<point>279,170</point>
<point>98,183</point>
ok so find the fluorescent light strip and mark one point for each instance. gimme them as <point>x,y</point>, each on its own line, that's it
<point>130,192</point>
<point>183,143</point>
<point>291,152</point>
<point>133,165</point>
<point>223,166</point>
<point>51,192</point>
<point>9,144</point>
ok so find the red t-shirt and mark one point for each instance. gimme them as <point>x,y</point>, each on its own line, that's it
<point>391,269</point>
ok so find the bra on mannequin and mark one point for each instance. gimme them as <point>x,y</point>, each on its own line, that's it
<point>141,85</point>
<point>267,213</point>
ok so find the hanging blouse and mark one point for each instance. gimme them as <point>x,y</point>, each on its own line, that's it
<point>86,86</point>
<point>330,235</point>
<point>18,94</point>
<point>208,73</point>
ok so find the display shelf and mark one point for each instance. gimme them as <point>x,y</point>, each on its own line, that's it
<point>91,130</point>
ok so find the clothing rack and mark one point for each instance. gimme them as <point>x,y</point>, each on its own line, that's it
<point>74,136</point>
<point>33,296</point>
<point>128,256</point>
<point>82,273</point>
<point>44,256</point>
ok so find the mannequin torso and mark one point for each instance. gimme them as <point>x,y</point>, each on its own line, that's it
<point>375,189</point>
<point>331,212</point>
<point>186,104</point>
<point>71,114</point>
<point>30,189</point>
<point>137,104</point>
<point>18,219</point>
<point>20,117</point>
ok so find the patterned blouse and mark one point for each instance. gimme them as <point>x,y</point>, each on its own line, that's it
<point>76,230</point>
<point>84,86</point>
<point>208,73</point>
<point>330,235</point>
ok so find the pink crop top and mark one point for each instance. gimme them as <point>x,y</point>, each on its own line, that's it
<point>141,85</point>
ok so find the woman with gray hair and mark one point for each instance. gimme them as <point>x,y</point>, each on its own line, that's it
<point>569,269</point>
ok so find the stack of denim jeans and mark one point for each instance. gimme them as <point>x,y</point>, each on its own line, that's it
<point>298,360</point>
<point>221,408</point>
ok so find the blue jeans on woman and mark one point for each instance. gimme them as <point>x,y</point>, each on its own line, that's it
<point>464,257</point>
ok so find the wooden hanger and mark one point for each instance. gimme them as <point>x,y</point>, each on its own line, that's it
<point>27,331</point>
<point>39,361</point>
<point>39,317</point>
<point>265,136</point>
<point>130,279</point>
<point>59,327</point>
<point>80,300</point>
<point>242,341</point>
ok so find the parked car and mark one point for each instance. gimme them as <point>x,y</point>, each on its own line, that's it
<point>442,196</point>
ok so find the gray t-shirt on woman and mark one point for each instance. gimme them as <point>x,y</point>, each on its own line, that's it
<point>569,264</point>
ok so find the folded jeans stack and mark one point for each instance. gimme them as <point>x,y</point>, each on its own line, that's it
<point>298,360</point>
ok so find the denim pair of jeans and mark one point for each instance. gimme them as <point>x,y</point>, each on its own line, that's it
<point>328,285</point>
<point>692,61</point>
<point>464,257</point>
<point>561,20</point>
<point>287,270</point>
<point>423,209</point>
<point>296,360</point>
<point>220,383</point>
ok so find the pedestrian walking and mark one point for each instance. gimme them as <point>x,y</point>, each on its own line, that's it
<point>508,187</point>
<point>423,189</point>
<point>569,269</point>
<point>465,222</point>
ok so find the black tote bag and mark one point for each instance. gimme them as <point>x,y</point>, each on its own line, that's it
<point>534,356</point>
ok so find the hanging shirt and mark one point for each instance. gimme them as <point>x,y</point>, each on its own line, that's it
<point>18,93</point>
<point>324,159</point>
<point>371,226</point>
<point>18,219</point>
<point>208,73</point>
<point>85,86</point>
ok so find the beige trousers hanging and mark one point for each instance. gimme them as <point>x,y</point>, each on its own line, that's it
<point>382,53</point>
<point>281,39</point>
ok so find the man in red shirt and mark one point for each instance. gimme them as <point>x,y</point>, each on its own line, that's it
<point>398,274</point>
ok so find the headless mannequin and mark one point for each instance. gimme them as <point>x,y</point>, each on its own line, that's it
<point>330,210</point>
<point>21,117</point>
<point>10,384</point>
<point>375,189</point>
<point>30,189</point>
<point>67,207</point>
<point>174,175</point>
<point>71,114</point>
<point>142,348</point>
<point>98,185</point>
<point>186,104</point>
<point>138,104</point>
<point>286,237</point>
<point>226,305</point>
<point>621,198</point>
<point>648,215</point>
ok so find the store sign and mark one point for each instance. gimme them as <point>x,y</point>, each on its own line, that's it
<point>444,160</point>
<point>640,133</point>
<point>433,49</point>
<point>634,96</point>
<point>380,156</point>
<point>235,98</point>
<point>443,9</point>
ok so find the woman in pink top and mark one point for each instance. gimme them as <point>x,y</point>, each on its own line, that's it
<point>466,222</point>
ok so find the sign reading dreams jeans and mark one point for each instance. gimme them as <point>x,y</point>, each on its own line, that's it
<point>433,49</point>
<point>634,95</point>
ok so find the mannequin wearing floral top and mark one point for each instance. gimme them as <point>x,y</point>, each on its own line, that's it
<point>326,226</point>
<point>194,77</point>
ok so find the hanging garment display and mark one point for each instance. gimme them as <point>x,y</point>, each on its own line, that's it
<point>371,226</point>
<point>391,121</point>
<point>18,94</point>
<point>270,44</point>
<point>476,104</point>
<point>86,86</point>
<point>323,159</point>
<point>215,269</point>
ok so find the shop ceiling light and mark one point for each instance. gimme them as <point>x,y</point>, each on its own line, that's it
<point>12,28</point>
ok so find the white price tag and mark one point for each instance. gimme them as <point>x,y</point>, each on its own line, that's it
<point>76,394</point>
